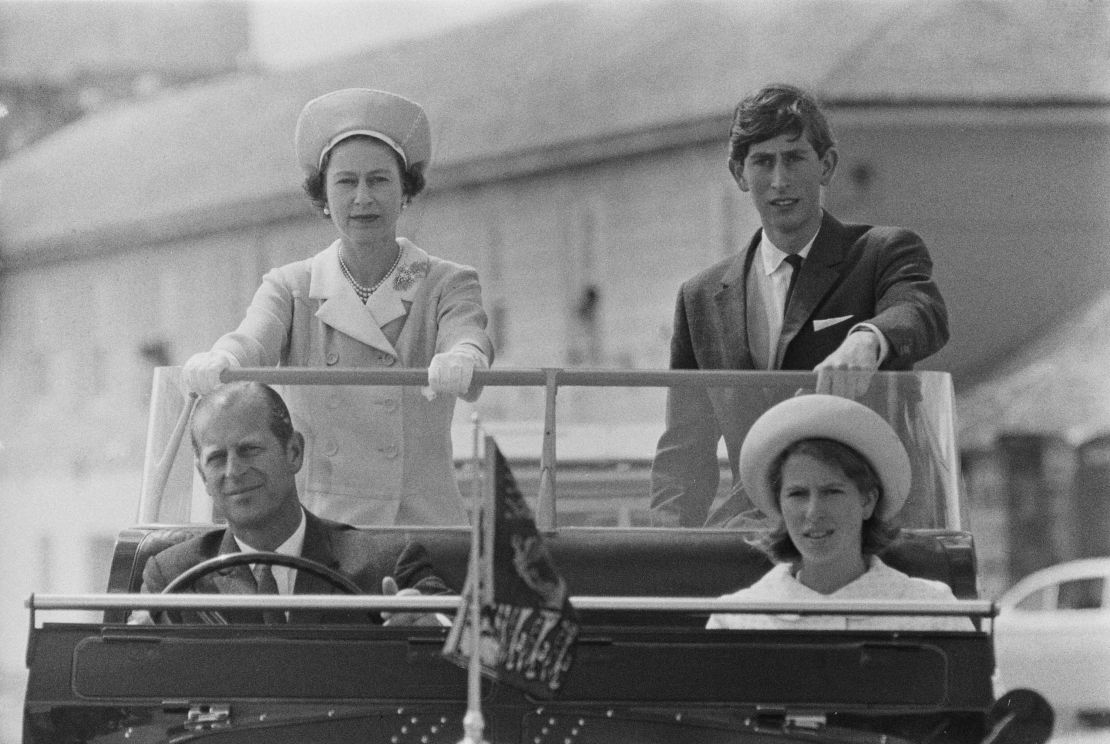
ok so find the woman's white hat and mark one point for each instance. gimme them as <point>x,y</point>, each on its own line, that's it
<point>818,416</point>
<point>333,117</point>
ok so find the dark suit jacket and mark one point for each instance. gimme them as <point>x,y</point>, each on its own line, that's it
<point>861,273</point>
<point>362,557</point>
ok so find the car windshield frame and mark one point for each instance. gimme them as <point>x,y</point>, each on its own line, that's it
<point>576,422</point>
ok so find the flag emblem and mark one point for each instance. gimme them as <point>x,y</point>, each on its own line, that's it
<point>528,627</point>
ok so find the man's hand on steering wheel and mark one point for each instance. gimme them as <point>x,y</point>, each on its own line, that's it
<point>187,579</point>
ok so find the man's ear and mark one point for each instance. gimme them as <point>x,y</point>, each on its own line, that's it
<point>737,171</point>
<point>828,165</point>
<point>294,451</point>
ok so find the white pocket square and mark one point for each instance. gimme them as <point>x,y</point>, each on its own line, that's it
<point>820,325</point>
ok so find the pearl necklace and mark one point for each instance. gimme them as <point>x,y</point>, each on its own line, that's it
<point>364,292</point>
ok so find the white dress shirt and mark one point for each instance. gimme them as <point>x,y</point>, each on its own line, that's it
<point>285,577</point>
<point>772,275</point>
<point>879,583</point>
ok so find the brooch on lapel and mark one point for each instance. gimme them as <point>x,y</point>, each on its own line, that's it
<point>409,273</point>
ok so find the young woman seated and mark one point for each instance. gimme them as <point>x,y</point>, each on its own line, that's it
<point>831,474</point>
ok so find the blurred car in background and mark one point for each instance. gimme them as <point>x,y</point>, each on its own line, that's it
<point>1052,635</point>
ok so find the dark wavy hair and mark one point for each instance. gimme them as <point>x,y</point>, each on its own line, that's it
<point>281,423</point>
<point>773,110</point>
<point>315,184</point>
<point>877,533</point>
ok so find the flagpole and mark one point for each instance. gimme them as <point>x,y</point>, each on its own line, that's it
<point>473,723</point>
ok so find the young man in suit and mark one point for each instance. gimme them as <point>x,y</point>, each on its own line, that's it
<point>860,298</point>
<point>248,454</point>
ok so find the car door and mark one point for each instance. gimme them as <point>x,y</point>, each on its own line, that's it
<point>1056,640</point>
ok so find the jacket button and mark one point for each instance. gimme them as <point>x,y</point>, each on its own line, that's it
<point>390,451</point>
<point>330,446</point>
<point>333,357</point>
<point>390,404</point>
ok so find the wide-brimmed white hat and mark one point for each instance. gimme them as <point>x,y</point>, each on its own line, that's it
<point>333,117</point>
<point>818,416</point>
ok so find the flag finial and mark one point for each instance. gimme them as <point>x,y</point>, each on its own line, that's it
<point>473,728</point>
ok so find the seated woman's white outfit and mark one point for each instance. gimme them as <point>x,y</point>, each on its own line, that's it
<point>880,583</point>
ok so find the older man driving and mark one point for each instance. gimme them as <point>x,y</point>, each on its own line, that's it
<point>248,454</point>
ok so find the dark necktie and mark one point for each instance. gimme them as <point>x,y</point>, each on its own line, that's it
<point>795,262</point>
<point>267,584</point>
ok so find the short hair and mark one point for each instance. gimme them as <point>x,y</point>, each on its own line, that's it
<point>778,109</point>
<point>316,186</point>
<point>877,533</point>
<point>281,423</point>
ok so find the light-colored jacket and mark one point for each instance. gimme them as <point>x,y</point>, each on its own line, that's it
<point>879,583</point>
<point>374,455</point>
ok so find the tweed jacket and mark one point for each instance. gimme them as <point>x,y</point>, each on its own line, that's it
<point>854,273</point>
<point>373,454</point>
<point>365,559</point>
<point>880,582</point>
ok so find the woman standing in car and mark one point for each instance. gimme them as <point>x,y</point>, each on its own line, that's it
<point>374,455</point>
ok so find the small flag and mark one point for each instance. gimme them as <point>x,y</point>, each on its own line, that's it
<point>528,627</point>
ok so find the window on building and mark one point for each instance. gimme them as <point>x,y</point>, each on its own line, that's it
<point>98,560</point>
<point>98,371</point>
<point>37,370</point>
<point>499,326</point>
<point>155,352</point>
<point>44,578</point>
<point>586,343</point>
<point>494,286</point>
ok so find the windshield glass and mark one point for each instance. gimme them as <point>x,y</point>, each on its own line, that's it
<point>584,446</point>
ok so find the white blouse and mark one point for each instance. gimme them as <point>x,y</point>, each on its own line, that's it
<point>879,583</point>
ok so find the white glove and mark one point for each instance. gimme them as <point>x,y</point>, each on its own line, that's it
<point>426,619</point>
<point>201,374</point>
<point>451,372</point>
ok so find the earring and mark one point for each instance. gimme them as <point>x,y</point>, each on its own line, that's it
<point>327,212</point>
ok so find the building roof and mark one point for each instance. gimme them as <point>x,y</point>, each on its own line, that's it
<point>547,76</point>
<point>1059,385</point>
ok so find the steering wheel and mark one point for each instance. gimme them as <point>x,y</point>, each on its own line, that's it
<point>187,579</point>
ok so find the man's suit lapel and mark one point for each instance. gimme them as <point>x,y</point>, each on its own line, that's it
<point>234,580</point>
<point>820,272</point>
<point>733,313</point>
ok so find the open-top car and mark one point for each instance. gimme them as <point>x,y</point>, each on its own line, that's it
<point>645,667</point>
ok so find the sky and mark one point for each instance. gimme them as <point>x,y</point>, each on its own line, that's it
<point>289,33</point>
